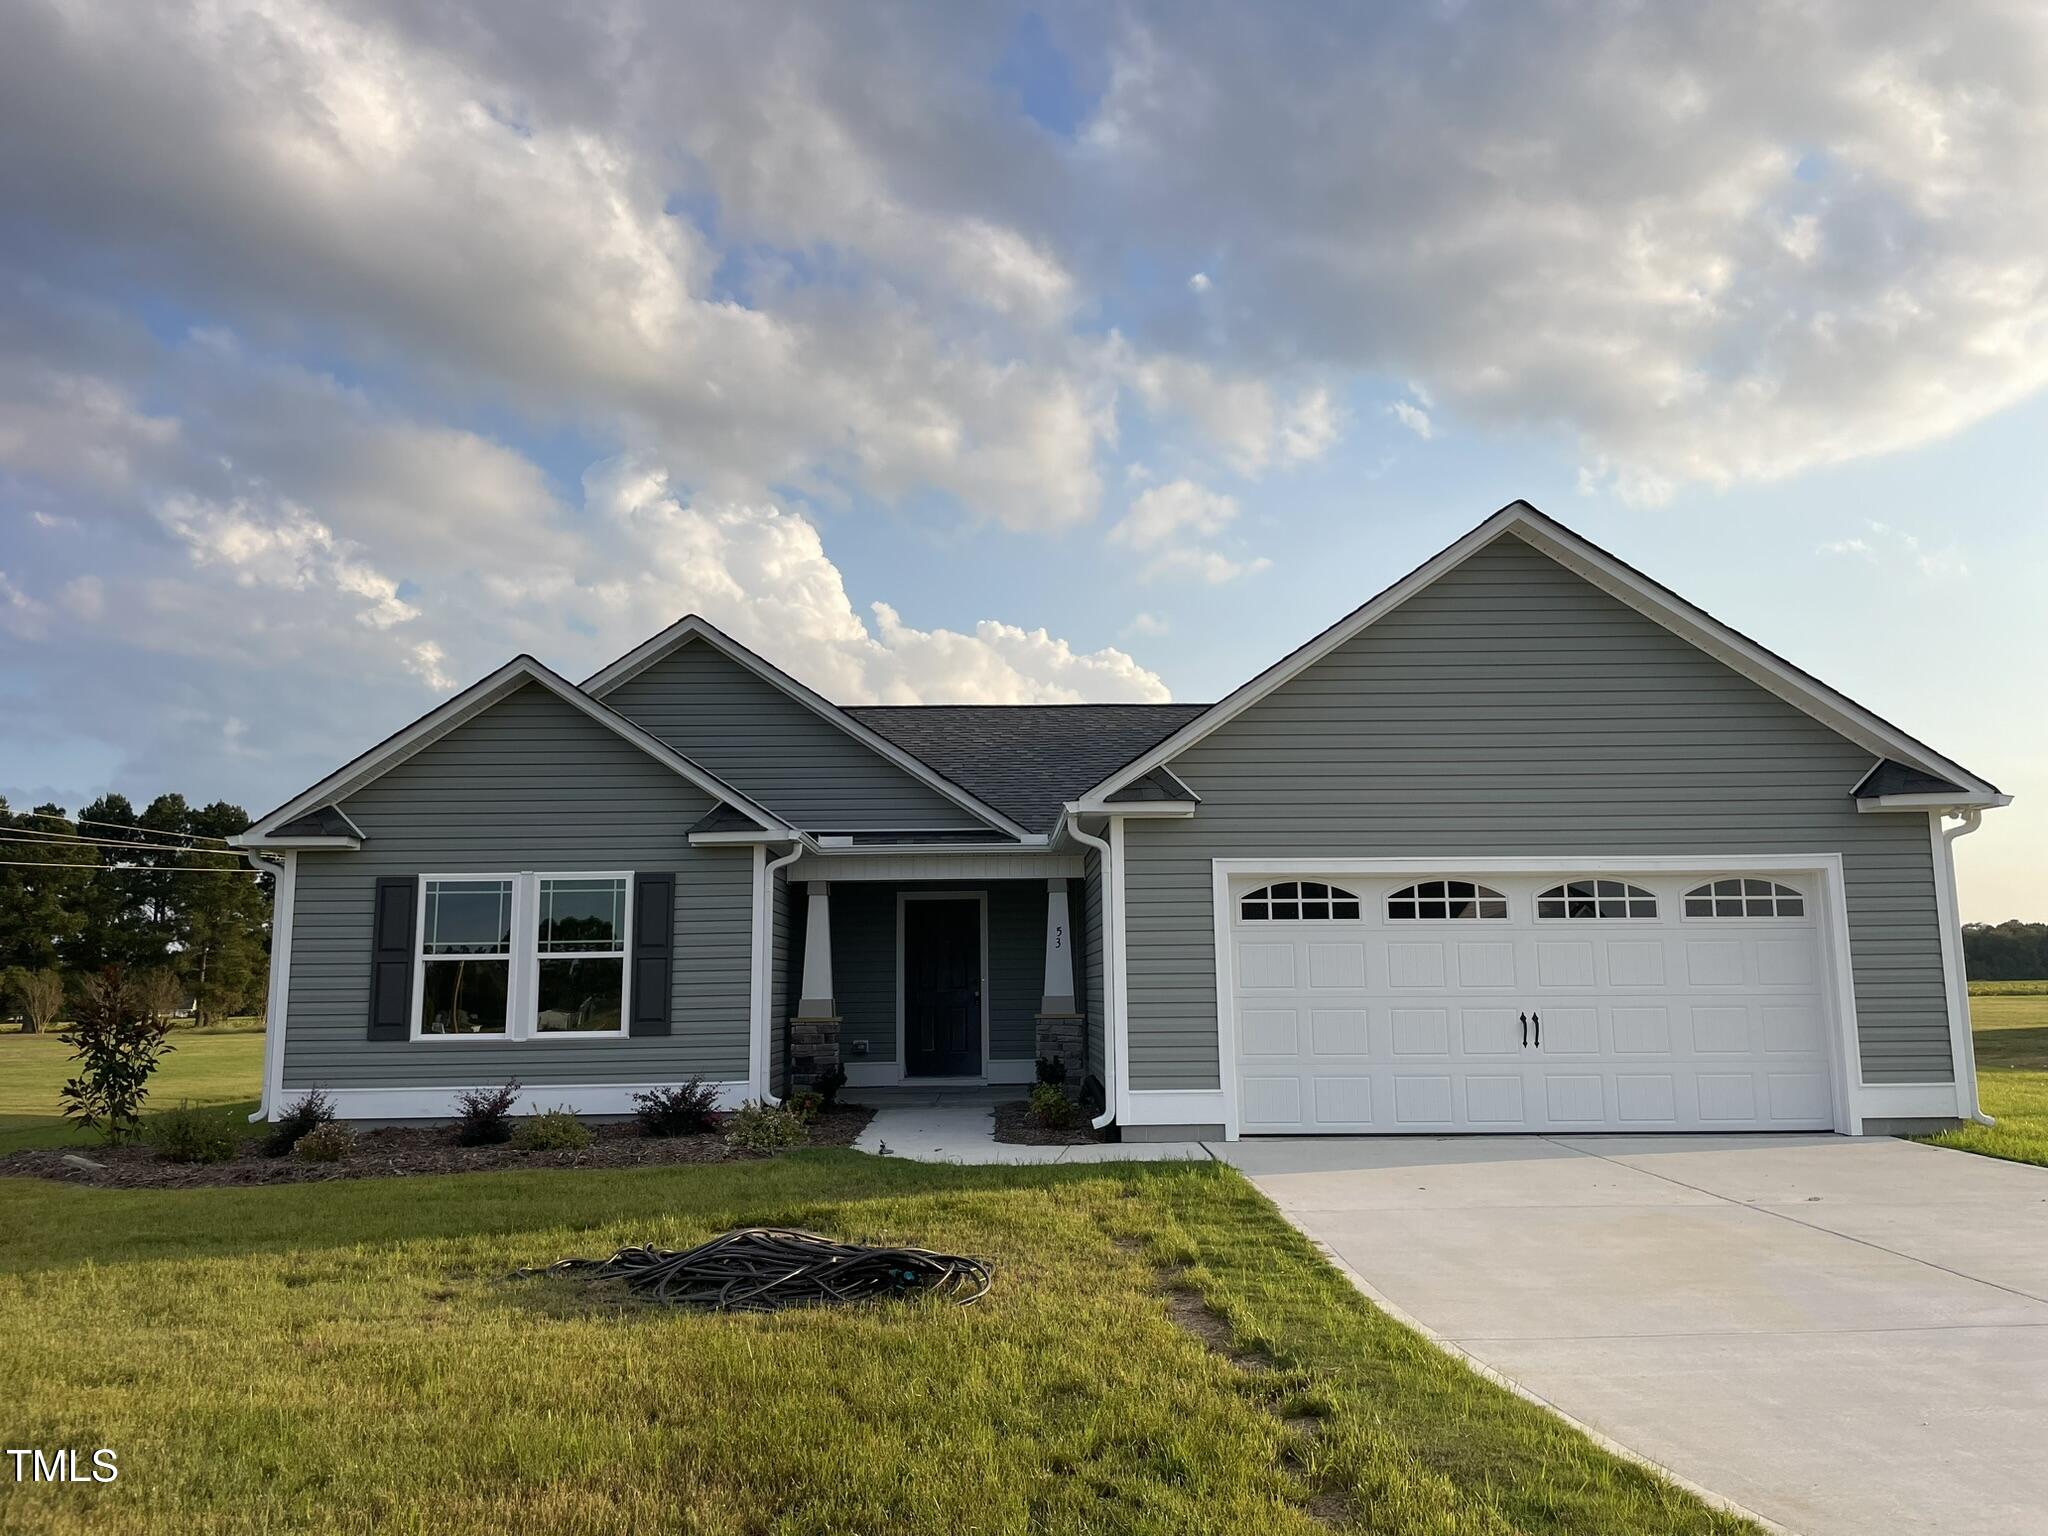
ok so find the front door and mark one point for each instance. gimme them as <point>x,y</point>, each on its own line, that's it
<point>942,987</point>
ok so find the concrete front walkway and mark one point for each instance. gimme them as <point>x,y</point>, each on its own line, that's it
<point>1845,1336</point>
<point>957,1125</point>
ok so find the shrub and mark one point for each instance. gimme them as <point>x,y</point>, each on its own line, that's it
<point>484,1115</point>
<point>117,1046</point>
<point>188,1135</point>
<point>758,1127</point>
<point>553,1130</point>
<point>808,1104</point>
<point>826,1086</point>
<point>688,1110</point>
<point>328,1142</point>
<point>307,1113</point>
<point>1052,1069</point>
<point>1051,1107</point>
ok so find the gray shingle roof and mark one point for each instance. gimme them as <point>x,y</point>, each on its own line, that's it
<point>1026,760</point>
<point>325,822</point>
<point>1891,777</point>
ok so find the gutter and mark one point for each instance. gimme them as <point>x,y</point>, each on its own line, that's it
<point>1972,817</point>
<point>1111,959</point>
<point>763,979</point>
<point>278,983</point>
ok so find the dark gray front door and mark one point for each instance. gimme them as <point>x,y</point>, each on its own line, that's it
<point>942,987</point>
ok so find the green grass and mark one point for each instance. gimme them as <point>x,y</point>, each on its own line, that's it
<point>2009,989</point>
<point>2011,1034</point>
<point>222,1066</point>
<point>347,1356</point>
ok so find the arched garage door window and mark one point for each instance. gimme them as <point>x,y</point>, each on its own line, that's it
<point>1595,898</point>
<point>1446,899</point>
<point>1744,898</point>
<point>1298,900</point>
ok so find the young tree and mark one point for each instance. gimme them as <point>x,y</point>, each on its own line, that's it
<point>117,1046</point>
<point>40,997</point>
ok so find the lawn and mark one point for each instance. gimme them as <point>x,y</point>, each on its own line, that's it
<point>2010,1028</point>
<point>212,1066</point>
<point>349,1355</point>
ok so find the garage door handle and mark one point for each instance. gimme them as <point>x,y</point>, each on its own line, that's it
<point>1525,1031</point>
<point>1537,1020</point>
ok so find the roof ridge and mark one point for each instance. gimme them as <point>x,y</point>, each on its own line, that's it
<point>1080,704</point>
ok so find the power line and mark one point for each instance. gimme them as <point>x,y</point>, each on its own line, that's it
<point>201,869</point>
<point>77,840</point>
<point>118,826</point>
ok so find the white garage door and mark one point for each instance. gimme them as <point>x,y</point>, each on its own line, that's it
<point>1547,1003</point>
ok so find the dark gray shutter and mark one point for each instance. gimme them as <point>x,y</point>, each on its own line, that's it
<point>654,933</point>
<point>391,958</point>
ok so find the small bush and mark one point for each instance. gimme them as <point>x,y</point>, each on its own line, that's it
<point>1051,1107</point>
<point>484,1117</point>
<point>306,1113</point>
<point>826,1085</point>
<point>554,1130</point>
<point>809,1104</point>
<point>758,1127</point>
<point>1052,1069</point>
<point>327,1143</point>
<point>117,1046</point>
<point>689,1110</point>
<point>188,1135</point>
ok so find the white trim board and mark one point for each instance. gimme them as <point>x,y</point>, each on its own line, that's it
<point>926,864</point>
<point>440,1103</point>
<point>1620,581</point>
<point>466,706</point>
<point>277,996</point>
<point>980,898</point>
<point>693,627</point>
<point>1846,1087</point>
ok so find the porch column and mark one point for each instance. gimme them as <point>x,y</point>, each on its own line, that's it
<point>814,1027</point>
<point>1059,1024</point>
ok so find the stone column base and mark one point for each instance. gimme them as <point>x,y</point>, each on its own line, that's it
<point>813,1049</point>
<point>1063,1037</point>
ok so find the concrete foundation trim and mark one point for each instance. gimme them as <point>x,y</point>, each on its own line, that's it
<point>440,1103</point>
<point>1173,1132</point>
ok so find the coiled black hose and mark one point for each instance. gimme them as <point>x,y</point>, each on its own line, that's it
<point>763,1269</point>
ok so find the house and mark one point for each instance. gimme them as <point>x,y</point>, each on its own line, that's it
<point>1526,843</point>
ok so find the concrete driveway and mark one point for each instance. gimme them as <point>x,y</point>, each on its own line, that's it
<point>1844,1336</point>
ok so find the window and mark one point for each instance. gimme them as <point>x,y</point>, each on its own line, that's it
<point>1446,898</point>
<point>522,956</point>
<point>1744,898</point>
<point>1595,898</point>
<point>1305,900</point>
<point>466,957</point>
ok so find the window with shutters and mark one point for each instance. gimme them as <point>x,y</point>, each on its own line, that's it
<point>537,956</point>
<point>1744,898</point>
<point>1298,901</point>
<point>1595,899</point>
<point>1446,899</point>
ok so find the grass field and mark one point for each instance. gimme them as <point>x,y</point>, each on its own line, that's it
<point>350,1355</point>
<point>2010,1029</point>
<point>214,1066</point>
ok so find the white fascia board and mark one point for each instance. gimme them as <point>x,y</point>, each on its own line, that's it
<point>255,843</point>
<point>1936,801</point>
<point>746,839</point>
<point>692,627</point>
<point>1654,601</point>
<point>466,706</point>
<point>1142,810</point>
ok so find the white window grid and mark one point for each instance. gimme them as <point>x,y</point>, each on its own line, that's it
<point>523,954</point>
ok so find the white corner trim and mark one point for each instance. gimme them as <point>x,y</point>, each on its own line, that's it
<point>466,706</point>
<point>439,1103</point>
<point>1845,1086</point>
<point>1119,978</point>
<point>1962,1045</point>
<point>1654,601</point>
<point>693,627</point>
<point>761,1003</point>
<point>277,996</point>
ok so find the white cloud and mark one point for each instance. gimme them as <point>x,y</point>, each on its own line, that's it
<point>20,615</point>
<point>1199,283</point>
<point>85,597</point>
<point>1884,545</point>
<point>1413,417</point>
<point>1168,526</point>
<point>1146,626</point>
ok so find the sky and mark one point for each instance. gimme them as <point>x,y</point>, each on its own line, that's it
<point>995,352</point>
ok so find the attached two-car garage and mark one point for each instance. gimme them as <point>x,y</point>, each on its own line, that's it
<point>1617,1000</point>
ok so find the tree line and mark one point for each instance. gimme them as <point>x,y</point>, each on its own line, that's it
<point>155,892</point>
<point>2007,951</point>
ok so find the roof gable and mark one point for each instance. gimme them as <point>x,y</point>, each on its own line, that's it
<point>437,723</point>
<point>616,679</point>
<point>1658,603</point>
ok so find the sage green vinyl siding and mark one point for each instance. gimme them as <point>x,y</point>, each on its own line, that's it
<point>864,946</point>
<point>1091,963</point>
<point>766,745</point>
<point>530,784</point>
<point>1513,709</point>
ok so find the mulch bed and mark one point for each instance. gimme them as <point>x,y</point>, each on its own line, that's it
<point>401,1150</point>
<point>1015,1125</point>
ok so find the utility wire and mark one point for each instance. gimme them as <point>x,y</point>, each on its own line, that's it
<point>76,840</point>
<point>120,826</point>
<point>201,869</point>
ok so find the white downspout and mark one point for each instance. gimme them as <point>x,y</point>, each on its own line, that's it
<point>284,880</point>
<point>1110,960</point>
<point>1966,1054</point>
<point>763,978</point>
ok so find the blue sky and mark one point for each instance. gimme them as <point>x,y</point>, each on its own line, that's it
<point>1005,352</point>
